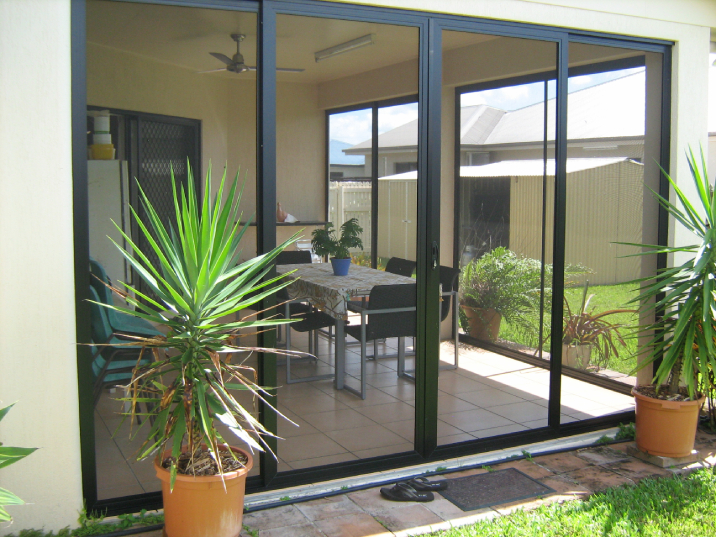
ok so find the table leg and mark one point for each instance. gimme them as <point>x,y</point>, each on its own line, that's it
<point>340,354</point>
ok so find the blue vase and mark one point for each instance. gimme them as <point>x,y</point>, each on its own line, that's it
<point>340,266</point>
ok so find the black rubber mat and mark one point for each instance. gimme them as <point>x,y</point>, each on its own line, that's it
<point>493,488</point>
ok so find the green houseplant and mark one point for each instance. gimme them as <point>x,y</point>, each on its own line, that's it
<point>683,300</point>
<point>326,241</point>
<point>8,456</point>
<point>191,382</point>
<point>498,285</point>
<point>586,332</point>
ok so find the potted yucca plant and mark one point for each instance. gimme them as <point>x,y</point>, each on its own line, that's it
<point>8,456</point>
<point>191,382</point>
<point>682,337</point>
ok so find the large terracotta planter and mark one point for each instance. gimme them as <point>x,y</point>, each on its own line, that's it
<point>666,428</point>
<point>200,506</point>
<point>483,324</point>
<point>576,356</point>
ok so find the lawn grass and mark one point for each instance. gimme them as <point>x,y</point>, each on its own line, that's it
<point>606,297</point>
<point>675,506</point>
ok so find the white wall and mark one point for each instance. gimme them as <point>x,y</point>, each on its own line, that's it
<point>37,328</point>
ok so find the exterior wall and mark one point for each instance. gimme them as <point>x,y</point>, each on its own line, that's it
<point>36,208</point>
<point>37,329</point>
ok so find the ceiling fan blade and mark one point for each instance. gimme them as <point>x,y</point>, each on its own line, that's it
<point>281,69</point>
<point>212,70</point>
<point>222,57</point>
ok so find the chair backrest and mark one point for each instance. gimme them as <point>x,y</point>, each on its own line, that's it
<point>290,257</point>
<point>403,267</point>
<point>101,329</point>
<point>98,277</point>
<point>449,282</point>
<point>402,324</point>
<point>293,257</point>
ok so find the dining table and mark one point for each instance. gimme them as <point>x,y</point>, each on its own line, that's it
<point>316,283</point>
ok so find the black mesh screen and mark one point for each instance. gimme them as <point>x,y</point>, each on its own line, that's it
<point>162,146</point>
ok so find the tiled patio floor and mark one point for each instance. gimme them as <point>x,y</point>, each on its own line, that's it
<point>572,475</point>
<point>487,395</point>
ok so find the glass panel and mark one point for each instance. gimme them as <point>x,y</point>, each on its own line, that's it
<point>504,206</point>
<point>613,147</point>
<point>348,66</point>
<point>350,174</point>
<point>137,61</point>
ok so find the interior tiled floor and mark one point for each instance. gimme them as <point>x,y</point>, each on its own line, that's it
<point>487,395</point>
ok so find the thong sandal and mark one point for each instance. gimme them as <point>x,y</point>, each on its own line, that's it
<point>402,492</point>
<point>422,484</point>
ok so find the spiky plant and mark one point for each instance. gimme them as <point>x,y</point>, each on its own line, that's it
<point>199,281</point>
<point>684,296</point>
<point>585,327</point>
<point>8,456</point>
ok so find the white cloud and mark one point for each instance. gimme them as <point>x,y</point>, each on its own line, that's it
<point>395,116</point>
<point>351,127</point>
<point>472,99</point>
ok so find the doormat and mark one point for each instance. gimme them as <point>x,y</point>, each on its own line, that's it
<point>493,488</point>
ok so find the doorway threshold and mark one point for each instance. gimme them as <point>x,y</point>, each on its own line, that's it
<point>265,500</point>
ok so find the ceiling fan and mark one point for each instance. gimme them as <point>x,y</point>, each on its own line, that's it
<point>236,64</point>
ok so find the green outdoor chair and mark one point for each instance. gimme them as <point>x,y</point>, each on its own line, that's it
<point>120,322</point>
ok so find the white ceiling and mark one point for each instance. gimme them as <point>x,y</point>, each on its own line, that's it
<point>184,37</point>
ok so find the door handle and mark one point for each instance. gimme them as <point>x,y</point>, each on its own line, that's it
<point>435,255</point>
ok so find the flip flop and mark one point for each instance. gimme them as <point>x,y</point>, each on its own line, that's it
<point>422,484</point>
<point>402,492</point>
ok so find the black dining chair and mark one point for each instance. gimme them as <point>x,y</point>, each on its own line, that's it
<point>310,322</point>
<point>403,267</point>
<point>390,312</point>
<point>291,308</point>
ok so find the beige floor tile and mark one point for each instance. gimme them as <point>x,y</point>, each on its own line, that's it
<point>497,431</point>
<point>473,420</point>
<point>318,402</point>
<point>276,517</point>
<point>385,450</point>
<point>330,507</point>
<point>560,463</point>
<point>597,478</point>
<point>404,391</point>
<point>322,461</point>
<point>287,429</point>
<point>636,470</point>
<point>451,513</point>
<point>389,412</point>
<point>404,428</point>
<point>490,397</point>
<point>456,384</point>
<point>447,440</point>
<point>353,525</point>
<point>448,404</point>
<point>371,501</point>
<point>530,468</point>
<point>520,412</point>
<point>362,438</point>
<point>307,447</point>
<point>337,420</point>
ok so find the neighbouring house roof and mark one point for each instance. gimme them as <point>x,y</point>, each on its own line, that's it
<point>337,156</point>
<point>611,110</point>
<point>523,168</point>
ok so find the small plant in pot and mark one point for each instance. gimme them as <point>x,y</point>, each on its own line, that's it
<point>498,285</point>
<point>191,381</point>
<point>589,339</point>
<point>683,300</point>
<point>326,242</point>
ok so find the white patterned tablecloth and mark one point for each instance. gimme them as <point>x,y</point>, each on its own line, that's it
<point>316,282</point>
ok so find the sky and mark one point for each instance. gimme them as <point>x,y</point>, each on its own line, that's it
<point>354,127</point>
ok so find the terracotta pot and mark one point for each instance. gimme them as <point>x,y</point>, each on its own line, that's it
<point>200,506</point>
<point>666,428</point>
<point>576,356</point>
<point>483,324</point>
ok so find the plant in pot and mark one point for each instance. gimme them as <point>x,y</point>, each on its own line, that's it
<point>325,241</point>
<point>681,338</point>
<point>8,456</point>
<point>191,382</point>
<point>499,285</point>
<point>586,334</point>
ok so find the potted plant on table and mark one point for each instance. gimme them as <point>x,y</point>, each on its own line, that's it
<point>498,285</point>
<point>683,298</point>
<point>326,242</point>
<point>585,332</point>
<point>191,381</point>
